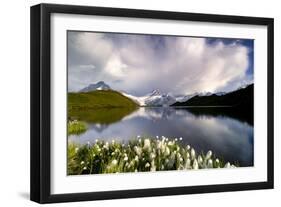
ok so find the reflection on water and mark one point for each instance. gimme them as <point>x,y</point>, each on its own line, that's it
<point>229,135</point>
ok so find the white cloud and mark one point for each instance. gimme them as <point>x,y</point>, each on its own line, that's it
<point>139,64</point>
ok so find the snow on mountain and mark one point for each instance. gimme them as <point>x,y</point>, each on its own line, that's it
<point>245,85</point>
<point>204,94</point>
<point>220,93</point>
<point>183,98</point>
<point>96,86</point>
<point>155,98</point>
<point>139,100</point>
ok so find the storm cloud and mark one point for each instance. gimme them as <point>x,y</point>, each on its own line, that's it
<point>138,64</point>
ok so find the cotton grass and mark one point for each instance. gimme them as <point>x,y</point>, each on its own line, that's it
<point>139,155</point>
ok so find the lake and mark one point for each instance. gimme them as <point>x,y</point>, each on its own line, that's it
<point>226,131</point>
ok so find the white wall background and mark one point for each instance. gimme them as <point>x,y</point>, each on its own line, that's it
<point>14,101</point>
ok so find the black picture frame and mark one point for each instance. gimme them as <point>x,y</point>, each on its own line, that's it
<point>41,99</point>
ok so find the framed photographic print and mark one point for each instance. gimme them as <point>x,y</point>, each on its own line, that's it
<point>132,103</point>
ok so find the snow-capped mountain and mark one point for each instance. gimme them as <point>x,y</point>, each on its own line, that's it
<point>155,98</point>
<point>139,100</point>
<point>220,93</point>
<point>204,94</point>
<point>96,86</point>
<point>183,98</point>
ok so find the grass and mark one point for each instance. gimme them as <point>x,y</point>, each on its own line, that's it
<point>138,155</point>
<point>104,107</point>
<point>76,127</point>
<point>98,99</point>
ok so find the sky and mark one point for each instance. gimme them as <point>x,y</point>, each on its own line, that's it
<point>138,64</point>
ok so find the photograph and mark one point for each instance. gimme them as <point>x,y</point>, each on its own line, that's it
<point>155,102</point>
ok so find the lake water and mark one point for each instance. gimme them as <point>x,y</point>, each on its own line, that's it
<point>225,131</point>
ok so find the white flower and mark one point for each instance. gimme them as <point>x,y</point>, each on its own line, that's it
<point>187,155</point>
<point>200,159</point>
<point>76,149</point>
<point>147,165</point>
<point>97,140</point>
<point>178,155</point>
<point>159,145</point>
<point>157,137</point>
<point>106,146</point>
<point>210,164</point>
<point>195,165</point>
<point>180,138</point>
<point>139,140</point>
<point>209,154</point>
<point>125,158</point>
<point>114,162</point>
<point>82,162</point>
<point>167,151</point>
<point>113,153</point>
<point>138,150</point>
<point>152,155</point>
<point>227,165</point>
<point>113,141</point>
<point>138,136</point>
<point>192,153</point>
<point>170,143</point>
<point>84,168</point>
<point>217,160</point>
<point>188,147</point>
<point>136,158</point>
<point>176,139</point>
<point>146,144</point>
<point>94,154</point>
<point>153,167</point>
<point>187,164</point>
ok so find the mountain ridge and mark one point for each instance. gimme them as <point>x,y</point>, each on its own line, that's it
<point>158,98</point>
<point>242,97</point>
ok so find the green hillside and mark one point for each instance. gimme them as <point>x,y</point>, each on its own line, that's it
<point>98,99</point>
<point>94,106</point>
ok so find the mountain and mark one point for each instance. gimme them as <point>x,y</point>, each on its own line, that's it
<point>98,99</point>
<point>96,86</point>
<point>242,97</point>
<point>220,93</point>
<point>101,102</point>
<point>155,98</point>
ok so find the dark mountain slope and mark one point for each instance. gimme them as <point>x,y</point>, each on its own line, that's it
<point>240,98</point>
